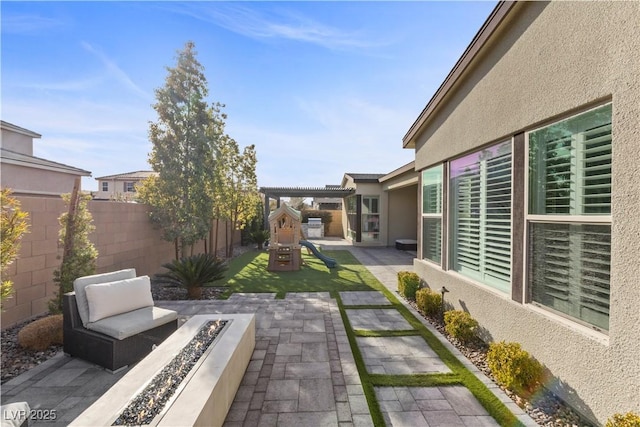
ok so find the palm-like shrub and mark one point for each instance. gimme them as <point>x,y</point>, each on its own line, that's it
<point>259,237</point>
<point>193,273</point>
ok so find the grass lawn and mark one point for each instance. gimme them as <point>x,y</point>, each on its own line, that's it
<point>248,273</point>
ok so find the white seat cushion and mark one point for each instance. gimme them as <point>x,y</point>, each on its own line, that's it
<point>112,298</point>
<point>15,414</point>
<point>124,325</point>
<point>81,282</point>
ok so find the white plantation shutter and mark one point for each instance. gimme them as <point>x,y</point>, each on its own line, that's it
<point>570,183</point>
<point>569,269</point>
<point>432,214</point>
<point>497,218</point>
<point>481,216</point>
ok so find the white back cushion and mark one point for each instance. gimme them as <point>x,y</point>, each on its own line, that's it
<point>110,299</point>
<point>81,282</point>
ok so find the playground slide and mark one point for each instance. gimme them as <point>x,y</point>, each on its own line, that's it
<point>329,262</point>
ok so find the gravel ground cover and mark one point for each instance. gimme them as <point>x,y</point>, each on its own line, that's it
<point>546,409</point>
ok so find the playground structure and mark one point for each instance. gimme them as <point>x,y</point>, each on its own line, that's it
<point>285,228</point>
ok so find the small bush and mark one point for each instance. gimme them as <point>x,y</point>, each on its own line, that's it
<point>460,325</point>
<point>429,301</point>
<point>41,334</point>
<point>408,284</point>
<point>624,420</point>
<point>514,368</point>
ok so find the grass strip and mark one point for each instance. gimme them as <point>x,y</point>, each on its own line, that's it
<point>365,378</point>
<point>374,334</point>
<point>415,380</point>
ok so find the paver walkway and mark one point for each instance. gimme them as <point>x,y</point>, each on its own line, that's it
<point>302,372</point>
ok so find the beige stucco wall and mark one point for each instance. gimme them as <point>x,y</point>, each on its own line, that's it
<point>402,221</point>
<point>550,60</point>
<point>124,238</point>
<point>31,180</point>
<point>17,142</point>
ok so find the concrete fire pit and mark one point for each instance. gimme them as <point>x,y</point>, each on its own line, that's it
<point>206,392</point>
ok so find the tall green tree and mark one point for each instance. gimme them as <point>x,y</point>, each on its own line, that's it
<point>184,138</point>
<point>13,225</point>
<point>236,197</point>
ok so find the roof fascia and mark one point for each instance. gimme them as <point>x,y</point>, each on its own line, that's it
<point>494,20</point>
<point>18,129</point>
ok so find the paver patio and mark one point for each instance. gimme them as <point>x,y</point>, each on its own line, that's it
<point>302,371</point>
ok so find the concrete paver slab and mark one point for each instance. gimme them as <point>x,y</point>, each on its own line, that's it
<point>377,320</point>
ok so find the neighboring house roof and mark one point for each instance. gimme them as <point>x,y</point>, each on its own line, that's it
<point>129,175</point>
<point>18,129</point>
<point>365,177</point>
<point>489,27</point>
<point>11,157</point>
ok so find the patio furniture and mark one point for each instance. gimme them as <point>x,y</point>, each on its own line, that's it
<point>110,319</point>
<point>15,414</point>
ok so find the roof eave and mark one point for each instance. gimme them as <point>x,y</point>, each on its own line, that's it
<point>494,20</point>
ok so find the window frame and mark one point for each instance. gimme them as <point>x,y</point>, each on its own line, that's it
<point>105,186</point>
<point>566,219</point>
<point>434,216</point>
<point>507,288</point>
<point>370,236</point>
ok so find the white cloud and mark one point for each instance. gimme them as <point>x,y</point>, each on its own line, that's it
<point>283,25</point>
<point>115,71</point>
<point>29,24</point>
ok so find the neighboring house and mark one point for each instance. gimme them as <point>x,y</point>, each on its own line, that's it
<point>28,175</point>
<point>121,186</point>
<point>383,207</point>
<point>529,157</point>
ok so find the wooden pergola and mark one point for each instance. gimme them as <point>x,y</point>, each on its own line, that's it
<point>278,192</point>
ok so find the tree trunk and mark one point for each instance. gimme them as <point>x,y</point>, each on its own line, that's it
<point>69,234</point>
<point>175,245</point>
<point>215,245</point>
<point>194,292</point>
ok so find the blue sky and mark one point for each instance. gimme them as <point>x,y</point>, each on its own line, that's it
<point>320,88</point>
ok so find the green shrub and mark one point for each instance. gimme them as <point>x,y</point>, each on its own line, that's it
<point>429,301</point>
<point>514,368</point>
<point>624,420</point>
<point>41,334</point>
<point>408,284</point>
<point>460,325</point>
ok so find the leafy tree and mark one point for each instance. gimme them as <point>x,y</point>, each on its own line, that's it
<point>79,254</point>
<point>236,195</point>
<point>13,226</point>
<point>184,139</point>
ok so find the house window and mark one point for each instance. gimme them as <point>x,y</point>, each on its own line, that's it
<point>129,187</point>
<point>432,214</point>
<point>352,217</point>
<point>105,186</point>
<point>480,197</point>
<point>569,216</point>
<point>370,218</point>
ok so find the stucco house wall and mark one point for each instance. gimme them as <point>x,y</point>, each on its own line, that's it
<point>25,174</point>
<point>547,61</point>
<point>402,221</point>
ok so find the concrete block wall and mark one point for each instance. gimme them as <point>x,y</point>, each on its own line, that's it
<point>124,238</point>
